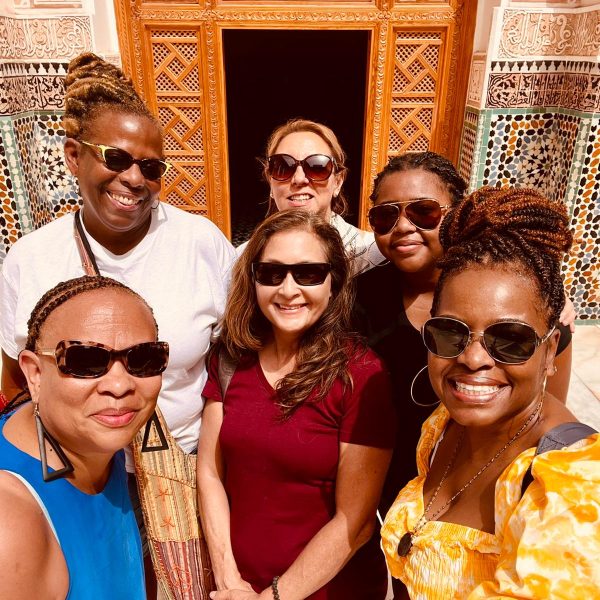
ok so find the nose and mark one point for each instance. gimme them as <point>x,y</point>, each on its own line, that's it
<point>288,287</point>
<point>133,177</point>
<point>117,382</point>
<point>299,177</point>
<point>475,356</point>
<point>403,225</point>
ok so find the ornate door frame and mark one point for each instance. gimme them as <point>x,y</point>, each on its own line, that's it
<point>419,60</point>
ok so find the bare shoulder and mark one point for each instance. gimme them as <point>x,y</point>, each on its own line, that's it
<point>29,551</point>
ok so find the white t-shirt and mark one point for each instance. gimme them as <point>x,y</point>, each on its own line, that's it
<point>181,268</point>
<point>360,245</point>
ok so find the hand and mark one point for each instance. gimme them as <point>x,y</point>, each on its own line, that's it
<point>567,316</point>
<point>234,595</point>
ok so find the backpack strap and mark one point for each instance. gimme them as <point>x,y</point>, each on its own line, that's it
<point>561,436</point>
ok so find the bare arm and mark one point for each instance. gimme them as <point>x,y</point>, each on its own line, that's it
<point>558,384</point>
<point>212,500</point>
<point>13,380</point>
<point>360,468</point>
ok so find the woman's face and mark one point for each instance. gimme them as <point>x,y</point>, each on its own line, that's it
<point>412,250</point>
<point>116,203</point>
<point>292,308</point>
<point>477,390</point>
<point>299,191</point>
<point>100,415</point>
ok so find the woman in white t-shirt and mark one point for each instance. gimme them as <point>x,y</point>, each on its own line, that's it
<point>305,169</point>
<point>178,262</point>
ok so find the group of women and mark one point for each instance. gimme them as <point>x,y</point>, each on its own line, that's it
<point>308,393</point>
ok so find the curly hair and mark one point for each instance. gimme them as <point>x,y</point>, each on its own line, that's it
<point>324,350</point>
<point>66,290</point>
<point>519,228</point>
<point>94,85</point>
<point>339,203</point>
<point>425,161</point>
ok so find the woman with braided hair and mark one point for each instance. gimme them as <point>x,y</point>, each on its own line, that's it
<point>93,365</point>
<point>506,500</point>
<point>177,261</point>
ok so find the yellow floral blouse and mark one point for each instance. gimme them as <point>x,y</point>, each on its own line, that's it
<point>546,543</point>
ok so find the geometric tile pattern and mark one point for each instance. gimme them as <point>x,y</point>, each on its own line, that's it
<point>467,149</point>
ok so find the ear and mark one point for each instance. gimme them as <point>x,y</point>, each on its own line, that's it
<point>552,345</point>
<point>31,366</point>
<point>72,149</point>
<point>339,181</point>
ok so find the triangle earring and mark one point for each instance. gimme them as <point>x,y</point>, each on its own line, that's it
<point>153,420</point>
<point>43,437</point>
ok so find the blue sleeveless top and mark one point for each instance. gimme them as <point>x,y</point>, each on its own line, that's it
<point>97,533</point>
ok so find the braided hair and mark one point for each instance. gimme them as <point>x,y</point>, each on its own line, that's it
<point>508,226</point>
<point>94,85</point>
<point>425,161</point>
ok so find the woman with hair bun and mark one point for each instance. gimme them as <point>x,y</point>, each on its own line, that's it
<point>506,500</point>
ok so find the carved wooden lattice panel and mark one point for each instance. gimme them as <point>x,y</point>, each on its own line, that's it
<point>175,59</point>
<point>416,66</point>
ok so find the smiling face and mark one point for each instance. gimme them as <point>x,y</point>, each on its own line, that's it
<point>476,390</point>
<point>299,191</point>
<point>116,205</point>
<point>98,415</point>
<point>410,249</point>
<point>291,308</point>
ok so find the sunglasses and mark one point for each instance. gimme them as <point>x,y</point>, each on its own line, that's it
<point>317,167</point>
<point>423,214</point>
<point>118,160</point>
<point>267,273</point>
<point>507,342</point>
<point>87,360</point>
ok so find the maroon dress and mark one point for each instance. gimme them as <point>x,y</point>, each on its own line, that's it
<point>280,475</point>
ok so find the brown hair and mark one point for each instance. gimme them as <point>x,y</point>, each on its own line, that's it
<point>94,85</point>
<point>325,348</point>
<point>508,226</point>
<point>339,204</point>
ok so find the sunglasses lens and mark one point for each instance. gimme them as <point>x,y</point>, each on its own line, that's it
<point>511,343</point>
<point>117,160</point>
<point>152,168</point>
<point>317,167</point>
<point>269,273</point>
<point>382,218</point>
<point>147,360</point>
<point>310,273</point>
<point>281,167</point>
<point>424,214</point>
<point>446,338</point>
<point>303,273</point>
<point>85,361</point>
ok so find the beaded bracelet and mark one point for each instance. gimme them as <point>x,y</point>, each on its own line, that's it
<point>274,588</point>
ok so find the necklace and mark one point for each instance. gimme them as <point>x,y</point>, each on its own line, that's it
<point>406,541</point>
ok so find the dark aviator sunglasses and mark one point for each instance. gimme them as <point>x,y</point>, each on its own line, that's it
<point>507,342</point>
<point>271,274</point>
<point>317,167</point>
<point>424,214</point>
<point>118,160</point>
<point>88,360</point>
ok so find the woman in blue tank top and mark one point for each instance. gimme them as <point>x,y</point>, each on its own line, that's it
<point>93,367</point>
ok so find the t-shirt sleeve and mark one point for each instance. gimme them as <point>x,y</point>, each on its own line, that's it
<point>8,308</point>
<point>368,415</point>
<point>551,542</point>
<point>212,387</point>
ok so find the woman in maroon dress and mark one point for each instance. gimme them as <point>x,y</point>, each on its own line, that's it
<point>293,456</point>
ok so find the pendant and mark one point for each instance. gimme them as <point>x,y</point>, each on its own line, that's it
<point>405,544</point>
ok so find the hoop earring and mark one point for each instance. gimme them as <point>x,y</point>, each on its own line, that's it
<point>155,206</point>
<point>43,437</point>
<point>153,420</point>
<point>412,395</point>
<point>374,264</point>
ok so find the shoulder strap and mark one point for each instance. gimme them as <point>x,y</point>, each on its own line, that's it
<point>88,260</point>
<point>565,434</point>
<point>226,368</point>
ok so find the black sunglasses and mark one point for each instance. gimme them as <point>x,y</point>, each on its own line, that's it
<point>267,273</point>
<point>424,214</point>
<point>508,342</point>
<point>317,167</point>
<point>118,160</point>
<point>92,359</point>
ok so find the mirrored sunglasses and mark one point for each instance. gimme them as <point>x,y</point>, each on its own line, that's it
<point>507,342</point>
<point>316,167</point>
<point>424,214</point>
<point>92,359</point>
<point>118,160</point>
<point>266,273</point>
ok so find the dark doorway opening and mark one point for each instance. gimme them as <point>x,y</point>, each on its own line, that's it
<point>272,76</point>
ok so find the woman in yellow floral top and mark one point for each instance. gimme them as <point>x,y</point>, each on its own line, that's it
<point>467,527</point>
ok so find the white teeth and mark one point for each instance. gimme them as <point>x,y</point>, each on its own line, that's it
<point>476,390</point>
<point>126,201</point>
<point>300,198</point>
<point>290,308</point>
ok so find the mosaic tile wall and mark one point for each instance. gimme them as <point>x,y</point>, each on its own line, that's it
<point>532,121</point>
